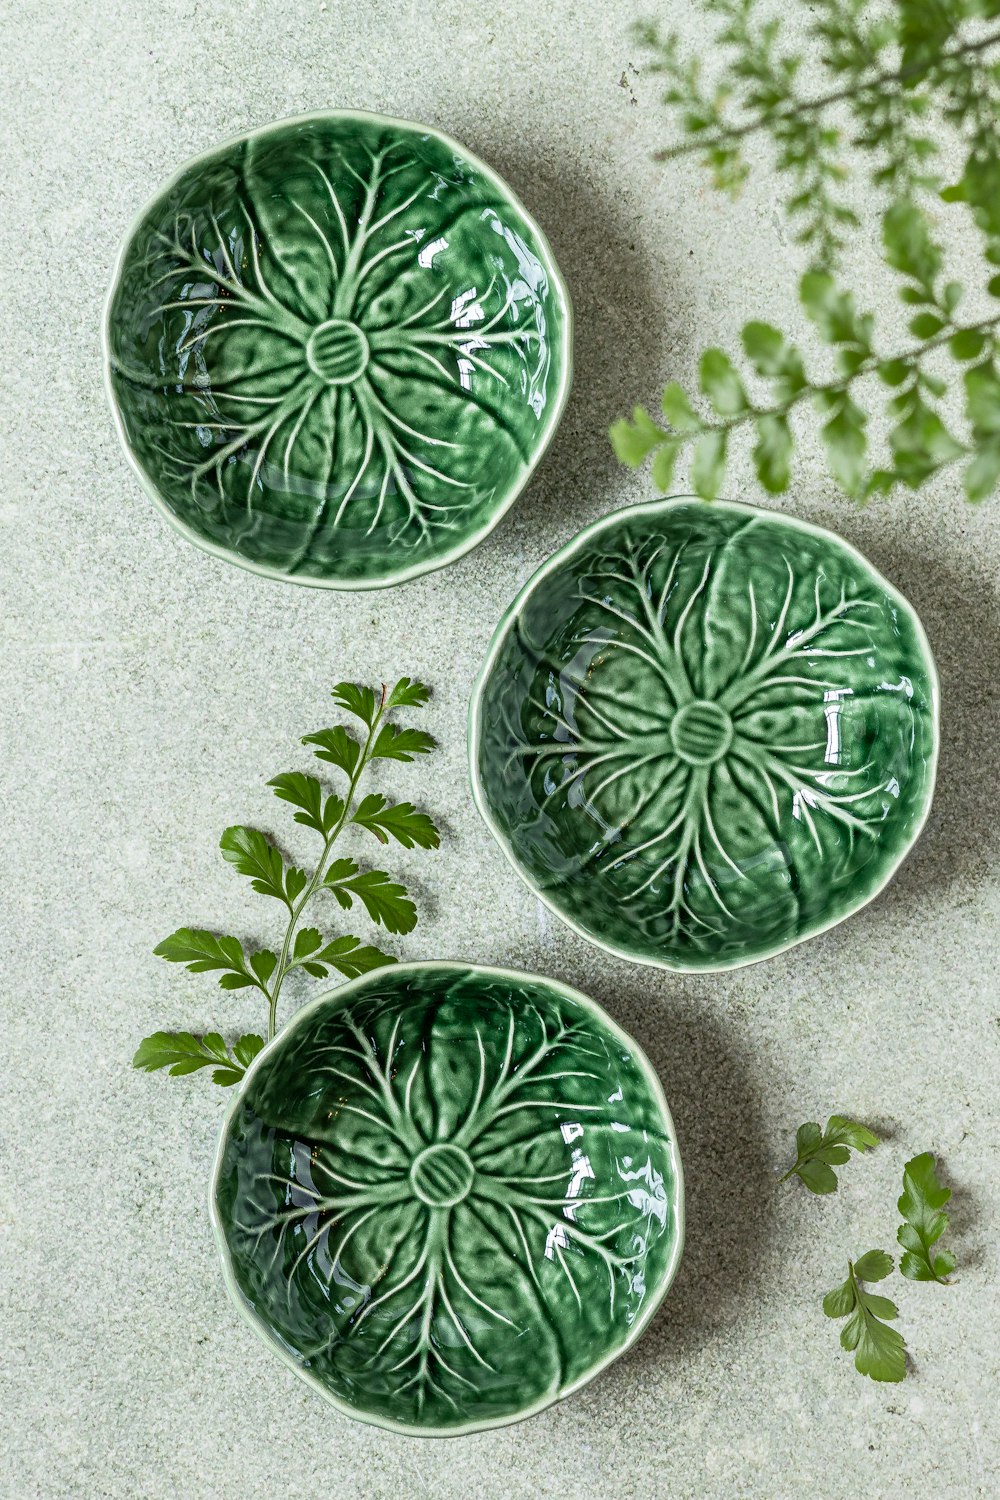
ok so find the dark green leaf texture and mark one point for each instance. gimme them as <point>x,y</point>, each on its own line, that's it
<point>358,699</point>
<point>202,952</point>
<point>316,811</point>
<point>879,1351</point>
<point>394,743</point>
<point>337,747</point>
<point>399,820</point>
<point>501,1264</point>
<point>817,1151</point>
<point>307,940</point>
<point>349,956</point>
<point>250,853</point>
<point>337,349</point>
<point>408,694</point>
<point>253,855</point>
<point>385,901</point>
<point>921,1204</point>
<point>180,1052</point>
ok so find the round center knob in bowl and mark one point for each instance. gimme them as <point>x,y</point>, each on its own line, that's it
<point>337,351</point>
<point>442,1175</point>
<point>701,732</point>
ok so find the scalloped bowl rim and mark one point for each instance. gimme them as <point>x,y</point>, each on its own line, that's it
<point>548,431</point>
<point>513,611</point>
<point>344,994</point>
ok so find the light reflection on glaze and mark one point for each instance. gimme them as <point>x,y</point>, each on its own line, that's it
<point>450,1171</point>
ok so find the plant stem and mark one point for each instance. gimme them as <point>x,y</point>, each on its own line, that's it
<point>283,965</point>
<point>837,387</point>
<point>822,101</point>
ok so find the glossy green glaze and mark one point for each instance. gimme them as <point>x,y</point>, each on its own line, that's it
<point>448,1196</point>
<point>336,349</point>
<point>705,732</point>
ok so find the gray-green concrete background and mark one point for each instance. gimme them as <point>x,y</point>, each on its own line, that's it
<point>149,691</point>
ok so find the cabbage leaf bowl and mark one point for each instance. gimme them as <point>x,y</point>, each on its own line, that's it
<point>705,732</point>
<point>447,1196</point>
<point>335,349</point>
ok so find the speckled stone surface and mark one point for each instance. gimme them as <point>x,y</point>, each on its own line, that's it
<point>150,690</point>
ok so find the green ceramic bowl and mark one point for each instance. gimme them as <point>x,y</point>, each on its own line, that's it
<point>336,349</point>
<point>705,732</point>
<point>448,1196</point>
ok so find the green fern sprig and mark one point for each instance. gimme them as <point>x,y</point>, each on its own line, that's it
<point>898,82</point>
<point>350,751</point>
<point>889,78</point>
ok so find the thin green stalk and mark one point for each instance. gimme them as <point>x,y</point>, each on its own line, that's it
<point>798,108</point>
<point>283,965</point>
<point>868,366</point>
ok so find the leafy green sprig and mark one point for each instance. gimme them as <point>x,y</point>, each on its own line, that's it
<point>923,66</point>
<point>920,440</point>
<point>817,1152</point>
<point>879,1351</point>
<point>181,1052</point>
<point>891,79</point>
<point>921,1204</point>
<point>252,854</point>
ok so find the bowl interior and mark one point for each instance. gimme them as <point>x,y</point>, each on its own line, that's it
<point>705,732</point>
<point>448,1196</point>
<point>336,348</point>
